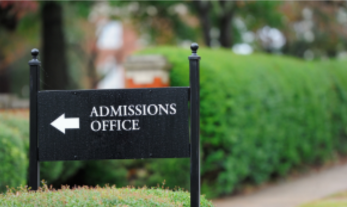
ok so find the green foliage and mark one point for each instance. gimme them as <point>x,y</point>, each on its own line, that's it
<point>14,133</point>
<point>108,196</point>
<point>176,21</point>
<point>148,172</point>
<point>101,172</point>
<point>12,156</point>
<point>119,172</point>
<point>163,25</point>
<point>261,115</point>
<point>60,171</point>
<point>174,171</point>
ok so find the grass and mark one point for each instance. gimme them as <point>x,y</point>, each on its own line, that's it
<point>107,196</point>
<point>338,200</point>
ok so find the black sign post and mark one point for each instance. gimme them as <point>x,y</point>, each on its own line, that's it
<point>115,124</point>
<point>194,76</point>
<point>34,164</point>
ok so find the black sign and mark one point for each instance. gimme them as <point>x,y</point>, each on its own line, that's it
<point>113,124</point>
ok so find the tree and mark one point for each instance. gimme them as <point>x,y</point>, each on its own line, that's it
<point>53,52</point>
<point>221,14</point>
<point>22,32</point>
<point>11,12</point>
<point>55,46</point>
<point>315,29</point>
<point>203,9</point>
<point>170,19</point>
<point>224,16</point>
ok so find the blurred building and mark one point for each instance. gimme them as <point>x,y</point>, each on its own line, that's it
<point>115,42</point>
<point>147,71</point>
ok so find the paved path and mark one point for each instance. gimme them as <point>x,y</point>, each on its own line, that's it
<point>293,193</point>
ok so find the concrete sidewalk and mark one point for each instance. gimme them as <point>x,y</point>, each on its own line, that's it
<point>293,193</point>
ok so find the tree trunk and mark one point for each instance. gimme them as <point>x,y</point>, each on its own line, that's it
<point>91,70</point>
<point>226,35</point>
<point>203,8</point>
<point>4,81</point>
<point>55,71</point>
<point>8,20</point>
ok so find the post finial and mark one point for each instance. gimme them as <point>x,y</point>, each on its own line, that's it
<point>194,47</point>
<point>35,52</point>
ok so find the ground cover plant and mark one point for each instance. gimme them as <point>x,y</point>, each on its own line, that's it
<point>107,196</point>
<point>338,200</point>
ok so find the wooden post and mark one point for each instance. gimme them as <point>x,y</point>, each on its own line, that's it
<point>194,76</point>
<point>34,165</point>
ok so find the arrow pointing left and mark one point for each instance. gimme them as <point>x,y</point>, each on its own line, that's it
<point>62,123</point>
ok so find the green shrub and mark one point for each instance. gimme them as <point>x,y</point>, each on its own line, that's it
<point>58,172</point>
<point>13,160</point>
<point>17,130</point>
<point>262,115</point>
<point>108,196</point>
<point>150,172</point>
<point>101,172</point>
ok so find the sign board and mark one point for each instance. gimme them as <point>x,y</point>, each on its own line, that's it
<point>113,124</point>
<point>116,124</point>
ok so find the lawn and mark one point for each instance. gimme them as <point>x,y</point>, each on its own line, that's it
<point>337,200</point>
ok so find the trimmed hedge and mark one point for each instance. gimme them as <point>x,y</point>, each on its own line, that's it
<point>262,115</point>
<point>108,196</point>
<point>14,144</point>
<point>119,172</point>
<point>13,161</point>
<point>148,172</point>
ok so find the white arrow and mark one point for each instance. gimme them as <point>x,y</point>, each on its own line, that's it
<point>70,123</point>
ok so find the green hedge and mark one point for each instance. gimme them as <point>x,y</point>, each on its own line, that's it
<point>108,196</point>
<point>149,172</point>
<point>101,172</point>
<point>14,144</point>
<point>13,162</point>
<point>262,115</point>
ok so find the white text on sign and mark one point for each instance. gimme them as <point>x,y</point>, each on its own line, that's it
<point>127,111</point>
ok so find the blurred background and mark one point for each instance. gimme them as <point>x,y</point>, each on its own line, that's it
<point>273,83</point>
